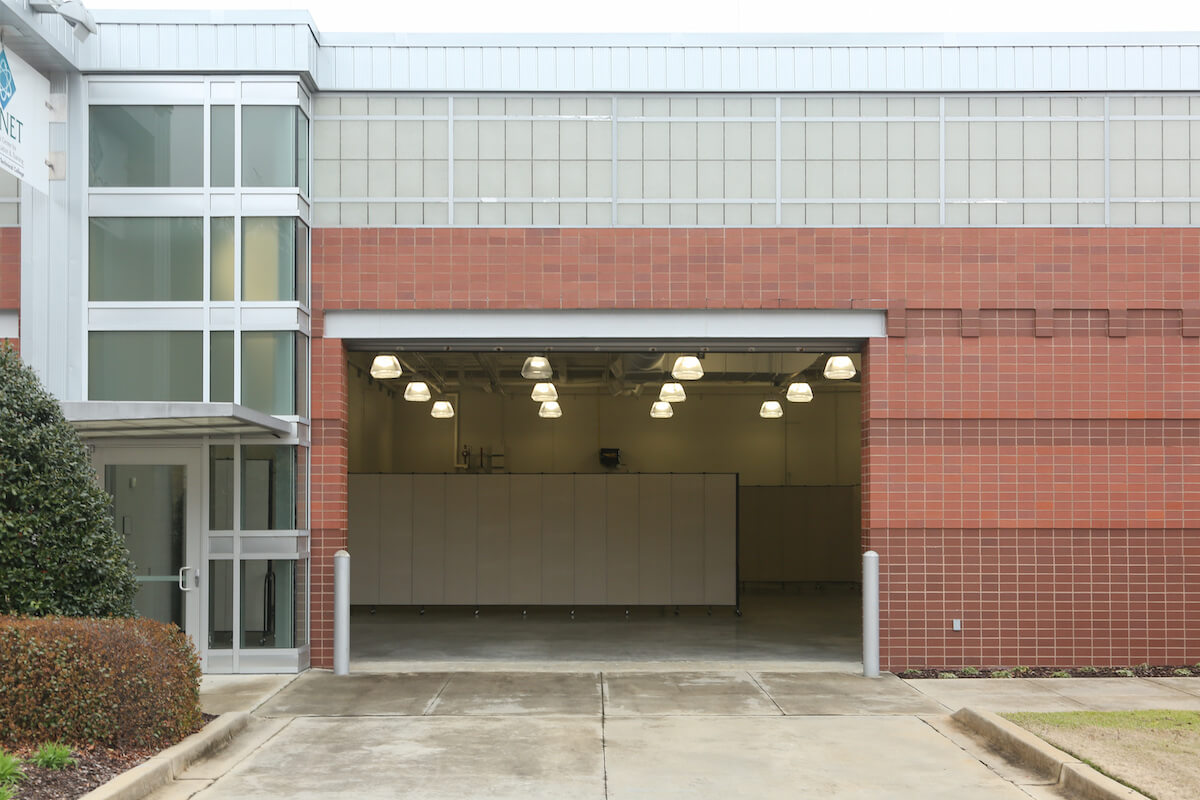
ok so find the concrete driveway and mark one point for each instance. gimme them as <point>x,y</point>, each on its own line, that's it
<point>624,734</point>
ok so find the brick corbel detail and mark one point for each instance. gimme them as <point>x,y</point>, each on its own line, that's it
<point>1043,321</point>
<point>969,321</point>
<point>1118,321</point>
<point>897,325</point>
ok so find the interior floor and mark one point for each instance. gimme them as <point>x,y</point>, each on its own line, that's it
<point>812,629</point>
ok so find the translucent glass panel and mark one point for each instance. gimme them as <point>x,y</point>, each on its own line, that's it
<point>739,160</point>
<point>273,594</point>
<point>274,147</point>
<point>220,492</point>
<point>145,365</point>
<point>145,258</point>
<point>146,146</point>
<point>220,604</point>
<point>221,257</point>
<point>268,487</point>
<point>271,381</point>
<point>274,258</point>
<point>220,371</point>
<point>221,156</point>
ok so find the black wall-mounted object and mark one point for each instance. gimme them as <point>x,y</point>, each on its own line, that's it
<point>610,457</point>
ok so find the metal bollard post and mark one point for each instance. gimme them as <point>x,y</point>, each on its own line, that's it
<point>870,601</point>
<point>341,613</point>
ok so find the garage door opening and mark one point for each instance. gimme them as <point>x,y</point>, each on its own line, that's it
<point>592,526</point>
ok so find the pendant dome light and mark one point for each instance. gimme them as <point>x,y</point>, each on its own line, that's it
<point>385,366</point>
<point>770,409</point>
<point>550,410</point>
<point>442,410</point>
<point>536,368</point>
<point>661,410</point>
<point>417,392</point>
<point>543,392</point>
<point>839,368</point>
<point>799,393</point>
<point>687,368</point>
<point>672,393</point>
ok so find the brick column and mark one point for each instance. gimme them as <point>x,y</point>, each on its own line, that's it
<point>328,523</point>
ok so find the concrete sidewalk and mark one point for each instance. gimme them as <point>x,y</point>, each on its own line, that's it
<point>626,734</point>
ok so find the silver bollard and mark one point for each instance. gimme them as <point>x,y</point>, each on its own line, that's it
<point>341,613</point>
<point>870,600</point>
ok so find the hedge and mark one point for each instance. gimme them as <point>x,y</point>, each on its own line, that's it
<point>131,683</point>
<point>59,551</point>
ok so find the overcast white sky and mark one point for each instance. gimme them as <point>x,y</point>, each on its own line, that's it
<point>724,16</point>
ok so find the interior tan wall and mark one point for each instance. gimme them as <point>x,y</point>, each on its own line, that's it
<point>799,503</point>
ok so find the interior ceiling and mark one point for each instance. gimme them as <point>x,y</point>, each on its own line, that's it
<point>614,373</point>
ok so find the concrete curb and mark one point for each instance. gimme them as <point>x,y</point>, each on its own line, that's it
<point>1069,773</point>
<point>163,768</point>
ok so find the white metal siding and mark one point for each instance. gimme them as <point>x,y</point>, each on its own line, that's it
<point>569,63</point>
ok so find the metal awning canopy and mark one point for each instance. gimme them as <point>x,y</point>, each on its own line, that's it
<point>108,419</point>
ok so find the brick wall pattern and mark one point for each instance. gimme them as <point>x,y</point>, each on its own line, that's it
<point>1031,422</point>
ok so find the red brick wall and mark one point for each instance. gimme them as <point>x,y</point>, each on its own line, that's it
<point>10,270</point>
<point>1031,440</point>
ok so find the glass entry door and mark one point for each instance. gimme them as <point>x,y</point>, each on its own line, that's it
<point>156,507</point>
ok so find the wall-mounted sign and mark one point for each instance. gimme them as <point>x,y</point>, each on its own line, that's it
<point>24,121</point>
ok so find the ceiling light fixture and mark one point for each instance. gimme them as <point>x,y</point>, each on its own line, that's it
<point>661,409</point>
<point>799,393</point>
<point>672,393</point>
<point>536,368</point>
<point>550,410</point>
<point>442,410</point>
<point>417,392</point>
<point>385,366</point>
<point>770,409</point>
<point>839,368</point>
<point>687,368</point>
<point>543,392</point>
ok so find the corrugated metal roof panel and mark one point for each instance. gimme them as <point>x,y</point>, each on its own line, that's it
<point>645,63</point>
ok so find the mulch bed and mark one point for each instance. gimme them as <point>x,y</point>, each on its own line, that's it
<point>1139,671</point>
<point>94,767</point>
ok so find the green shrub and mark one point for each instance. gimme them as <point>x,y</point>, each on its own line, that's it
<point>114,682</point>
<point>1022,670</point>
<point>970,671</point>
<point>1001,673</point>
<point>10,770</point>
<point>1060,673</point>
<point>947,675</point>
<point>5,793</point>
<point>1182,672</point>
<point>59,552</point>
<point>1123,673</point>
<point>52,755</point>
<point>1088,670</point>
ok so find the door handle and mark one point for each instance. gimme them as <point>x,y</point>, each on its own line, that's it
<point>183,579</point>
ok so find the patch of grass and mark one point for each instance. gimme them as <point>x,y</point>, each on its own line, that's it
<point>1061,673</point>
<point>1019,671</point>
<point>1157,720</point>
<point>910,673</point>
<point>1124,673</point>
<point>970,671</point>
<point>6,793</point>
<point>10,769</point>
<point>947,675</point>
<point>1182,672</point>
<point>52,755</point>
<point>1001,673</point>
